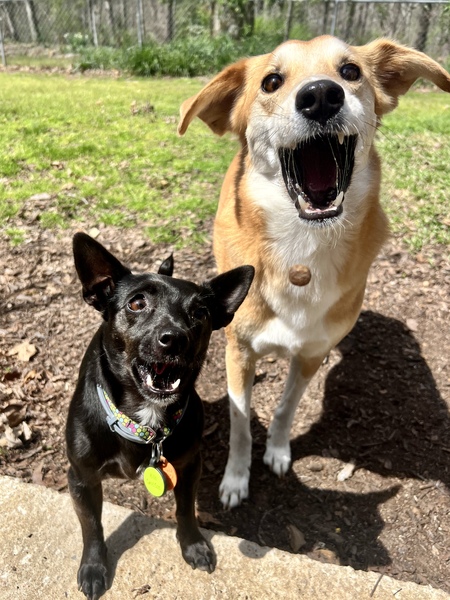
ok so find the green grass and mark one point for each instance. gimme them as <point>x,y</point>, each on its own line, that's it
<point>105,150</point>
<point>38,62</point>
<point>415,146</point>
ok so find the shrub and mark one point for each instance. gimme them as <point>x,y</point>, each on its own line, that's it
<point>189,56</point>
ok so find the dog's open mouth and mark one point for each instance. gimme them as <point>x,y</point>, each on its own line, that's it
<point>160,377</point>
<point>317,173</point>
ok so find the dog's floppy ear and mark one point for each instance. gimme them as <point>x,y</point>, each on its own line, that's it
<point>395,68</point>
<point>166,267</point>
<point>227,292</point>
<point>98,270</point>
<point>214,103</point>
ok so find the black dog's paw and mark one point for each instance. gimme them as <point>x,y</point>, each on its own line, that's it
<point>200,555</point>
<point>92,580</point>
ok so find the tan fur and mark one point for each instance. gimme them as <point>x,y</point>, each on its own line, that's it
<point>243,231</point>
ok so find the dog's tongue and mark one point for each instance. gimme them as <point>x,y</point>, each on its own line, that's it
<point>159,368</point>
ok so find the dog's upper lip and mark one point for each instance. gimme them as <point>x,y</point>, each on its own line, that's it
<point>317,173</point>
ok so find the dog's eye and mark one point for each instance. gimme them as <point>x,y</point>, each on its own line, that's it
<point>200,312</point>
<point>272,82</point>
<point>137,303</point>
<point>350,72</point>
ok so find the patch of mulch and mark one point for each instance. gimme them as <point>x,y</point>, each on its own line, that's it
<point>369,484</point>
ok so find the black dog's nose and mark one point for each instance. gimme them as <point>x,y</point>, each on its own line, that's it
<point>173,340</point>
<point>320,100</point>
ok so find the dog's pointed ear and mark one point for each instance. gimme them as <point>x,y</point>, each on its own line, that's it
<point>98,270</point>
<point>214,103</point>
<point>166,267</point>
<point>395,68</point>
<point>227,291</point>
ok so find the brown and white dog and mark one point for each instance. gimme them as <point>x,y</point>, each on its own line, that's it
<point>303,189</point>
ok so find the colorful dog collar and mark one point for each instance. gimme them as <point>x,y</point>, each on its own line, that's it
<point>142,434</point>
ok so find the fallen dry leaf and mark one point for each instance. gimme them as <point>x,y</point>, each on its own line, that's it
<point>10,438</point>
<point>346,472</point>
<point>144,589</point>
<point>15,413</point>
<point>211,429</point>
<point>296,538</point>
<point>26,431</point>
<point>25,351</point>
<point>205,517</point>
<point>37,476</point>
<point>412,324</point>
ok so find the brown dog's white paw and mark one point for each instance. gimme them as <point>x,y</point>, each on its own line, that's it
<point>234,488</point>
<point>278,459</point>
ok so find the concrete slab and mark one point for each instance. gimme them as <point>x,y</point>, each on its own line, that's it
<point>41,547</point>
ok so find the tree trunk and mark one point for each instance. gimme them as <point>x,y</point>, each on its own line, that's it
<point>111,22</point>
<point>350,17</point>
<point>32,21</point>
<point>171,20</point>
<point>10,22</point>
<point>422,36</point>
<point>250,17</point>
<point>288,22</point>
<point>326,11</point>
<point>139,23</point>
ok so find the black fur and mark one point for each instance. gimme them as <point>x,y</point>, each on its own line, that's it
<point>156,330</point>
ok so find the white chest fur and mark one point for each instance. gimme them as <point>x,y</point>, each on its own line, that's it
<point>300,324</point>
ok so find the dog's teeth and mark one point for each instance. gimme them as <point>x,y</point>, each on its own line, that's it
<point>149,381</point>
<point>339,199</point>
<point>341,137</point>
<point>175,384</point>
<point>302,202</point>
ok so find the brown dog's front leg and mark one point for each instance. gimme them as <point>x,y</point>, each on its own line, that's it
<point>195,549</point>
<point>88,500</point>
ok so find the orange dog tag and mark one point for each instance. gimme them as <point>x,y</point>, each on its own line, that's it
<point>169,471</point>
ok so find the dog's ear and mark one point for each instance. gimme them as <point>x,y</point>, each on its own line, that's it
<point>215,102</point>
<point>395,68</point>
<point>98,270</point>
<point>166,267</point>
<point>227,292</point>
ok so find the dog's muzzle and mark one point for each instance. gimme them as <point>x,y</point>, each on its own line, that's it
<point>317,173</point>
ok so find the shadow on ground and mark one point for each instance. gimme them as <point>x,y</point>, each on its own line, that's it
<point>383,412</point>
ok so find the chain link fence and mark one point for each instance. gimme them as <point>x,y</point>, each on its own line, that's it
<point>69,25</point>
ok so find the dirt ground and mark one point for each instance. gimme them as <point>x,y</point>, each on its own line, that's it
<point>371,441</point>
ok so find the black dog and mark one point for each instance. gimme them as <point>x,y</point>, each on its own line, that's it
<point>135,409</point>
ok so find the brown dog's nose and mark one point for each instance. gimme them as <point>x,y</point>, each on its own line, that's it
<point>320,100</point>
<point>173,340</point>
